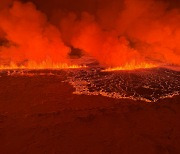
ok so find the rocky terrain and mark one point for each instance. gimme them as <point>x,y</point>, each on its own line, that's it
<point>39,112</point>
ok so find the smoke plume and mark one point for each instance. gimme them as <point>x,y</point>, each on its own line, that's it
<point>29,36</point>
<point>115,32</point>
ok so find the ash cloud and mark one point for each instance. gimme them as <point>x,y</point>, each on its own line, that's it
<point>115,32</point>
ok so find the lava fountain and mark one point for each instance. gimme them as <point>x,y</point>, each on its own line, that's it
<point>41,66</point>
<point>131,67</point>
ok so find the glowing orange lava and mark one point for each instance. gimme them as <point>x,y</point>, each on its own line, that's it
<point>43,65</point>
<point>131,66</point>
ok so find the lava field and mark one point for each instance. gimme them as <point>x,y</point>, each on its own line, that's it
<point>148,85</point>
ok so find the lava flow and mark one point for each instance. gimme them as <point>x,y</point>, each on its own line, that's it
<point>132,66</point>
<point>41,66</point>
<point>149,85</point>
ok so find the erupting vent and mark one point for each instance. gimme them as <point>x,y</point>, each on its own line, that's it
<point>41,66</point>
<point>131,66</point>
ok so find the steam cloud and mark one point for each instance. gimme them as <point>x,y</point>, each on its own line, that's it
<point>30,37</point>
<point>115,32</point>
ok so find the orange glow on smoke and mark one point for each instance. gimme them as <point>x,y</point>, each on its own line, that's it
<point>116,34</point>
<point>131,66</point>
<point>44,65</point>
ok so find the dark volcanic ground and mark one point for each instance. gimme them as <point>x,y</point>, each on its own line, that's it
<point>40,114</point>
<point>148,85</point>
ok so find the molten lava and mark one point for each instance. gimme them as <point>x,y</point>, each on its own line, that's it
<point>40,66</point>
<point>131,66</point>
